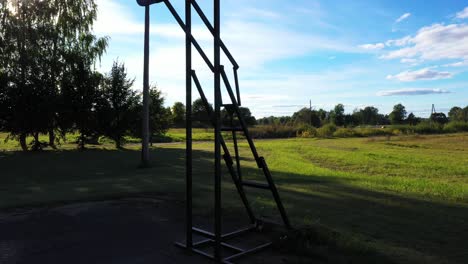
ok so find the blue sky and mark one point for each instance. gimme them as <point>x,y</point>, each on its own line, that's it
<point>358,53</point>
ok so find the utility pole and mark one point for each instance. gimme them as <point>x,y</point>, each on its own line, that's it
<point>433,111</point>
<point>145,114</point>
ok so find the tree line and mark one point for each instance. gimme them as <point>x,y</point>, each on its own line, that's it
<point>366,116</point>
<point>201,119</point>
<point>49,83</point>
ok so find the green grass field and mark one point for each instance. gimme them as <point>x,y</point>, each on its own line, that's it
<point>404,197</point>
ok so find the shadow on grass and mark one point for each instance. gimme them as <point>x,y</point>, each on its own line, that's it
<point>410,228</point>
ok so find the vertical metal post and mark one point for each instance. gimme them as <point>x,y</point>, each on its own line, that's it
<point>217,96</point>
<point>145,114</point>
<point>188,124</point>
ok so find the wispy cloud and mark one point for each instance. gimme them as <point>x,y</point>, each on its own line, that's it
<point>462,14</point>
<point>412,91</point>
<point>288,106</point>
<point>423,74</point>
<point>403,17</point>
<point>457,64</point>
<point>376,46</point>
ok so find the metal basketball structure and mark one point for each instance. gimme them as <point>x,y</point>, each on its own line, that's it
<point>216,239</point>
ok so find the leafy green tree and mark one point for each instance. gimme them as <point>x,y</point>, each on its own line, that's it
<point>119,100</point>
<point>337,116</point>
<point>22,58</point>
<point>323,115</point>
<point>306,116</point>
<point>412,119</point>
<point>465,114</point>
<point>249,119</point>
<point>4,102</point>
<point>455,113</point>
<point>398,115</point>
<point>458,114</point>
<point>160,118</point>
<point>199,114</point>
<point>350,120</point>
<point>178,114</point>
<point>370,115</point>
<point>80,89</point>
<point>233,120</point>
<point>440,118</point>
<point>37,39</point>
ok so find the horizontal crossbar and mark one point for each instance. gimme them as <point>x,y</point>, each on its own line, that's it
<point>226,236</point>
<point>256,185</point>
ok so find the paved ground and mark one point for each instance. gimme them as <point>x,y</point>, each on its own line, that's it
<point>124,231</point>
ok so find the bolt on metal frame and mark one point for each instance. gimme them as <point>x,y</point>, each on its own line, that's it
<point>216,239</point>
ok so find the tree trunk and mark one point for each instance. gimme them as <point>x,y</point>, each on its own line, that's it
<point>82,139</point>
<point>36,144</point>
<point>118,143</point>
<point>52,139</point>
<point>22,140</point>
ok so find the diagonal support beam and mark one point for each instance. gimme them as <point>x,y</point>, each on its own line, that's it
<point>194,41</point>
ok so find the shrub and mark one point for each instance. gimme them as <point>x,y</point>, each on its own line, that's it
<point>345,132</point>
<point>402,129</point>
<point>326,131</point>
<point>456,126</point>
<point>306,131</point>
<point>273,131</point>
<point>371,132</point>
<point>428,128</point>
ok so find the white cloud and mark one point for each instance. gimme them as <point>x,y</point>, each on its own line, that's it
<point>376,46</point>
<point>412,91</point>
<point>409,61</point>
<point>463,14</point>
<point>435,42</point>
<point>423,74</point>
<point>403,17</point>
<point>261,13</point>
<point>457,64</point>
<point>398,42</point>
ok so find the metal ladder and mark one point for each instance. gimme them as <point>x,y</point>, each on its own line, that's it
<point>216,238</point>
<point>236,172</point>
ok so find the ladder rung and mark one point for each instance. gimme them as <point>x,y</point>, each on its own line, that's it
<point>256,184</point>
<point>232,129</point>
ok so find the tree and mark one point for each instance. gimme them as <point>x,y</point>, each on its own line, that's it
<point>370,115</point>
<point>81,89</point>
<point>115,111</point>
<point>337,115</point>
<point>231,119</point>
<point>178,114</point>
<point>464,116</point>
<point>200,114</point>
<point>4,101</point>
<point>398,115</point>
<point>306,116</point>
<point>37,39</point>
<point>160,117</point>
<point>458,114</point>
<point>440,118</point>
<point>412,119</point>
<point>455,113</point>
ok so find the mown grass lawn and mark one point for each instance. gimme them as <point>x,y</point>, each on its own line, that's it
<point>405,197</point>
